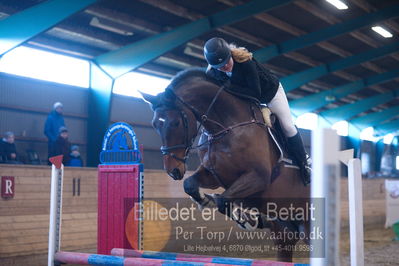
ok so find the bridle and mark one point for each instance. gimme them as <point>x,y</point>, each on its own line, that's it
<point>166,150</point>
<point>188,143</point>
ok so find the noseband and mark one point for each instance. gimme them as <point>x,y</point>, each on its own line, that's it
<point>166,150</point>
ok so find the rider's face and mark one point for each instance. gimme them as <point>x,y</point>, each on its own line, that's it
<point>227,67</point>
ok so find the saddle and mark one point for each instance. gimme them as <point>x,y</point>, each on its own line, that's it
<point>277,135</point>
<point>274,129</point>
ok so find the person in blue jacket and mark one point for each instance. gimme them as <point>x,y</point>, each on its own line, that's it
<point>75,159</point>
<point>54,122</point>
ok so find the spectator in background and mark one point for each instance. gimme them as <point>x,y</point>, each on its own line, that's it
<point>62,145</point>
<point>8,149</point>
<point>54,122</point>
<point>75,161</point>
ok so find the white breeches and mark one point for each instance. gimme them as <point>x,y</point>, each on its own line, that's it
<point>279,106</point>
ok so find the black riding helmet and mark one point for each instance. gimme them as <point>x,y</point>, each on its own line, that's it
<point>217,52</point>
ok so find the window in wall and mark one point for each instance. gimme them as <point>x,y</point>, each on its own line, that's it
<point>388,138</point>
<point>368,134</point>
<point>38,64</point>
<point>341,127</point>
<point>307,121</point>
<point>132,82</point>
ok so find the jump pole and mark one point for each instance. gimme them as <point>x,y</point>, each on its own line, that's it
<point>326,184</point>
<point>355,198</point>
<point>195,258</point>
<point>325,196</point>
<point>57,176</point>
<point>55,256</point>
<point>120,180</point>
<point>355,189</point>
<point>95,259</point>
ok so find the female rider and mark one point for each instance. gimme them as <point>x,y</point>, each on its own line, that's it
<point>249,78</point>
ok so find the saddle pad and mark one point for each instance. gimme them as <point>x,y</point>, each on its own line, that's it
<point>266,116</point>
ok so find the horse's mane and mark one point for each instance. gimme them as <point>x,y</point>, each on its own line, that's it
<point>195,72</point>
<point>167,98</point>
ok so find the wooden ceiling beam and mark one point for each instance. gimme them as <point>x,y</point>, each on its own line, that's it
<point>284,26</point>
<point>144,26</point>
<point>357,35</point>
<point>81,36</point>
<point>172,8</point>
<point>124,19</point>
<point>309,7</point>
<point>325,45</point>
<point>391,23</point>
<point>182,12</point>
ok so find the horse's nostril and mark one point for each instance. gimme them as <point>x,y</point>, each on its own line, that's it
<point>176,174</point>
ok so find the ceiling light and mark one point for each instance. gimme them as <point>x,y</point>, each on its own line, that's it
<point>338,4</point>
<point>383,32</point>
<point>109,26</point>
<point>330,98</point>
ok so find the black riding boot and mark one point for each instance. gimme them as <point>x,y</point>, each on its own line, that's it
<point>297,148</point>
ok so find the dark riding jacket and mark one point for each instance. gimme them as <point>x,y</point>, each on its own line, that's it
<point>249,78</point>
<point>6,149</point>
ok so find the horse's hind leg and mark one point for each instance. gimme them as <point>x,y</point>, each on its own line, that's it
<point>201,178</point>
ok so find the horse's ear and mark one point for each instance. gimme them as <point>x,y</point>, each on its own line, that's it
<point>153,100</point>
<point>168,97</point>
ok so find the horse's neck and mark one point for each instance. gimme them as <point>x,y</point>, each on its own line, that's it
<point>227,110</point>
<point>231,111</point>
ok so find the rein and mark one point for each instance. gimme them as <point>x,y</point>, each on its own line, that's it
<point>167,150</point>
<point>188,144</point>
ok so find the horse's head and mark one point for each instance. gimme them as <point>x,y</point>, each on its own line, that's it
<point>176,126</point>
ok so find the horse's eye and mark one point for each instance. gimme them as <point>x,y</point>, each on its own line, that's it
<point>175,123</point>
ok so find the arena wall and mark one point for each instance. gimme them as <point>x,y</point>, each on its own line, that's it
<point>26,115</point>
<point>24,219</point>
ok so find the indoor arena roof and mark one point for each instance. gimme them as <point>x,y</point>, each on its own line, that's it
<point>330,61</point>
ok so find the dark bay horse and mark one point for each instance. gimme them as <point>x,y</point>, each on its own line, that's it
<point>238,154</point>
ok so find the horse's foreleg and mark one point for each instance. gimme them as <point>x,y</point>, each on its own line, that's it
<point>191,187</point>
<point>244,191</point>
<point>201,178</point>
